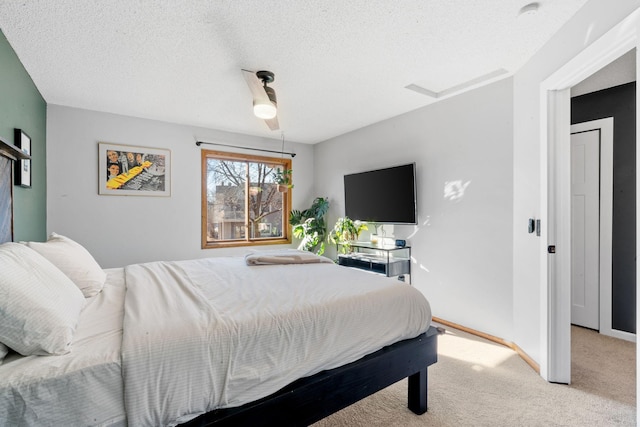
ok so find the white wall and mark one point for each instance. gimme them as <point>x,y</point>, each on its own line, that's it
<point>461,246</point>
<point>589,23</point>
<point>121,230</point>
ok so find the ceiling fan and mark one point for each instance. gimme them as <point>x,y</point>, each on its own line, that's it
<point>264,97</point>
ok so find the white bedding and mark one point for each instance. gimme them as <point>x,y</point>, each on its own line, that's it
<point>213,333</point>
<point>83,387</point>
<point>164,342</point>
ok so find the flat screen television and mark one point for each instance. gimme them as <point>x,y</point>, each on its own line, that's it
<point>383,195</point>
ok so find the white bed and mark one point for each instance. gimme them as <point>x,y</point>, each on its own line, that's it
<point>206,334</point>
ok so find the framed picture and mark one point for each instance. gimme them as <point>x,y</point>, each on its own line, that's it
<point>23,167</point>
<point>127,170</point>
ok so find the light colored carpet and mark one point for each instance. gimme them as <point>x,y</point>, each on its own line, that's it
<point>479,383</point>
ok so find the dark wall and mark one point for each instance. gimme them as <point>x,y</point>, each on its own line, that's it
<point>620,103</point>
<point>22,107</point>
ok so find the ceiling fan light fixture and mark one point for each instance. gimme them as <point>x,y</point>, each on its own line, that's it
<point>265,104</point>
<point>264,109</point>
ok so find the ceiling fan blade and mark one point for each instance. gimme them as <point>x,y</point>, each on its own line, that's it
<point>273,123</point>
<point>255,85</point>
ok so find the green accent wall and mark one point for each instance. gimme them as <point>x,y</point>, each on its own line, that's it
<point>22,107</point>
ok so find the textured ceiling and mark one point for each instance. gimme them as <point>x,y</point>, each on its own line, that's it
<point>339,65</point>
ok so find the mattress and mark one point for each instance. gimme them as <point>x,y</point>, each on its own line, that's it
<point>83,387</point>
<point>214,333</point>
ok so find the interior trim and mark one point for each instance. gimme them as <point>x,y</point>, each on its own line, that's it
<point>524,356</point>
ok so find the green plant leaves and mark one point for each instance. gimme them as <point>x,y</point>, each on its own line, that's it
<point>310,226</point>
<point>346,231</point>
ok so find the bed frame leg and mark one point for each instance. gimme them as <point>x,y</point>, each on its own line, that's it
<point>418,392</point>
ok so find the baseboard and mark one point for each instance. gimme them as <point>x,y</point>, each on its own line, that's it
<point>615,333</point>
<point>524,356</point>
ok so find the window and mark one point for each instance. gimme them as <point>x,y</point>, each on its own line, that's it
<point>241,204</point>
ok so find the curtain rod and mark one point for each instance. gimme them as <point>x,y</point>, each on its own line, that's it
<point>198,143</point>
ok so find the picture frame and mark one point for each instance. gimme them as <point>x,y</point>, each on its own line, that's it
<point>129,170</point>
<point>22,174</point>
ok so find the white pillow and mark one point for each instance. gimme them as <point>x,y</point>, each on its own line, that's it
<point>39,305</point>
<point>4,350</point>
<point>74,261</point>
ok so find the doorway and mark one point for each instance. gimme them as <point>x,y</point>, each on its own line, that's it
<point>555,363</point>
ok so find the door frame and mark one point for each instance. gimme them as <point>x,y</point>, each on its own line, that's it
<point>555,274</point>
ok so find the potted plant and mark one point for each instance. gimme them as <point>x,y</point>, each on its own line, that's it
<point>282,177</point>
<point>309,225</point>
<point>346,231</point>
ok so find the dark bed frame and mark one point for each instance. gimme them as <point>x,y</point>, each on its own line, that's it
<point>310,399</point>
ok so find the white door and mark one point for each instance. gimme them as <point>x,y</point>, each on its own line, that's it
<point>585,228</point>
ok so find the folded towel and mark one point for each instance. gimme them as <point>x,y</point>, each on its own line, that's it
<point>284,256</point>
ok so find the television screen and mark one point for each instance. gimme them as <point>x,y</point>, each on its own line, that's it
<point>383,195</point>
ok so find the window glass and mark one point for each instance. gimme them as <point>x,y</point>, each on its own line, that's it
<point>241,201</point>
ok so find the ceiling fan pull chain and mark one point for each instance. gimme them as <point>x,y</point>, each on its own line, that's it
<point>282,148</point>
